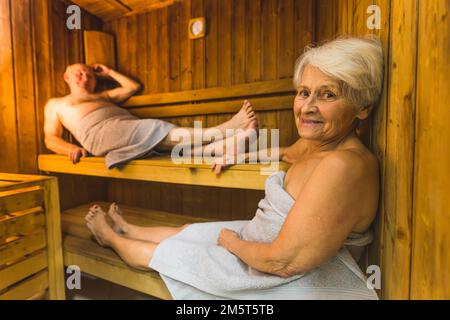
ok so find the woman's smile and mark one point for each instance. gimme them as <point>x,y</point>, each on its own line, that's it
<point>311,122</point>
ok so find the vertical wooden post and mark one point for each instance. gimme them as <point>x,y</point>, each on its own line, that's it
<point>430,263</point>
<point>54,240</point>
<point>399,156</point>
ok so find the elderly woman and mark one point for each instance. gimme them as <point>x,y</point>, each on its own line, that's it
<point>304,239</point>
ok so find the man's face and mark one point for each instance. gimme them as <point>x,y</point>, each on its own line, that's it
<point>80,76</point>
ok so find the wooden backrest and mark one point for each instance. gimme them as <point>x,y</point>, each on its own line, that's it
<point>264,96</point>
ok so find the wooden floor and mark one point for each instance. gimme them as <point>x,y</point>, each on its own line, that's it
<point>82,250</point>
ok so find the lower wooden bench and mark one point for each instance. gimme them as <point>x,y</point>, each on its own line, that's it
<point>82,250</point>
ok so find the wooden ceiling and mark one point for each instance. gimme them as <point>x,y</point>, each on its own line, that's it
<point>112,9</point>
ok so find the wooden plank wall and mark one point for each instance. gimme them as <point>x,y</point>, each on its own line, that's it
<point>431,214</point>
<point>247,41</point>
<point>35,47</point>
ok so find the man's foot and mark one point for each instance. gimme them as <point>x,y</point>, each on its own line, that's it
<point>96,223</point>
<point>119,226</point>
<point>244,119</point>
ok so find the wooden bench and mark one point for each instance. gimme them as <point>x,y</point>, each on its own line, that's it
<point>31,262</point>
<point>81,250</point>
<point>162,169</point>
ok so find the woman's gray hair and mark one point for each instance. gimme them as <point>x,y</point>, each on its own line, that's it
<point>356,63</point>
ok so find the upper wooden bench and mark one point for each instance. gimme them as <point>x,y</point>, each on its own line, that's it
<point>162,169</point>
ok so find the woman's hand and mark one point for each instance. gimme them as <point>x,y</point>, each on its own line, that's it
<point>101,70</point>
<point>226,238</point>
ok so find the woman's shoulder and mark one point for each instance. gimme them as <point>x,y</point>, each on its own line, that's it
<point>357,160</point>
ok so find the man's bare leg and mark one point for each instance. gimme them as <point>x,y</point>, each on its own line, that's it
<point>135,253</point>
<point>245,119</point>
<point>230,146</point>
<point>128,230</point>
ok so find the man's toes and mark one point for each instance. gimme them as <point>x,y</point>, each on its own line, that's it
<point>117,209</point>
<point>95,208</point>
<point>89,216</point>
<point>111,209</point>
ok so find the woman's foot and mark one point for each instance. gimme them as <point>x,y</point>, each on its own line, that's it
<point>96,223</point>
<point>244,119</point>
<point>119,226</point>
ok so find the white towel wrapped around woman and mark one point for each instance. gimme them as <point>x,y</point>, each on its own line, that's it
<point>193,266</point>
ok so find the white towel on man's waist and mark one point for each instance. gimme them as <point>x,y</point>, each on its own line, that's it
<point>193,266</point>
<point>119,136</point>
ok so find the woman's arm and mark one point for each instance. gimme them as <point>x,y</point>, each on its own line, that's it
<point>323,215</point>
<point>286,154</point>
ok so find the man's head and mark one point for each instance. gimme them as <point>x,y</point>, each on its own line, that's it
<point>80,78</point>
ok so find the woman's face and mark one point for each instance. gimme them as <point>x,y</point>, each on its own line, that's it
<point>320,110</point>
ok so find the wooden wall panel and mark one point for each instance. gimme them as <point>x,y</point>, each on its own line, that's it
<point>326,14</point>
<point>24,85</point>
<point>186,51</point>
<point>43,58</point>
<point>396,211</point>
<point>431,239</point>
<point>9,161</point>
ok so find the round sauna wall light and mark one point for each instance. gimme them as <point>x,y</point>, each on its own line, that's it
<point>197,28</point>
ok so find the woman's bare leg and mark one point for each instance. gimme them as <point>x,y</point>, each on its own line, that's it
<point>128,230</point>
<point>135,253</point>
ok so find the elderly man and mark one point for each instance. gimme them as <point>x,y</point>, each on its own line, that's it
<point>105,129</point>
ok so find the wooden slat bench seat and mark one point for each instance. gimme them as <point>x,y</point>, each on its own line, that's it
<point>81,250</point>
<point>162,169</point>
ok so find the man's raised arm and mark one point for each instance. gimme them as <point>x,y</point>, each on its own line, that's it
<point>53,131</point>
<point>127,88</point>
